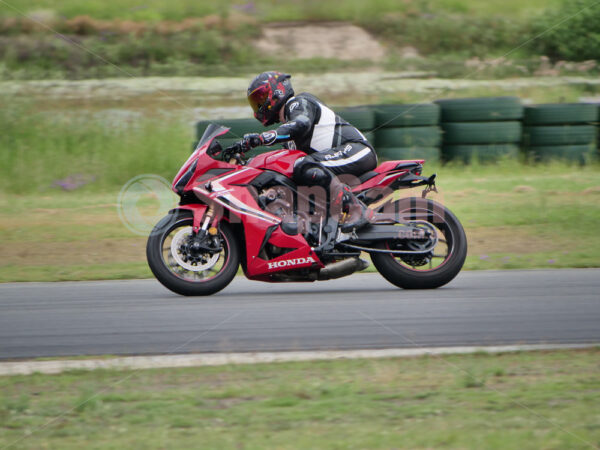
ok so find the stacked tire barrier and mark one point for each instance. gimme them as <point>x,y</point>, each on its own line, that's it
<point>407,131</point>
<point>482,129</point>
<point>362,117</point>
<point>463,130</point>
<point>564,131</point>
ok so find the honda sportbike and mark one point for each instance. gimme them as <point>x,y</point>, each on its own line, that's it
<point>235,211</point>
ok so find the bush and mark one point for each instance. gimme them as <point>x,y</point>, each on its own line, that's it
<point>571,32</point>
<point>144,53</point>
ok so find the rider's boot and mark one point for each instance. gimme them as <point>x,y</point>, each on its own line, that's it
<point>355,213</point>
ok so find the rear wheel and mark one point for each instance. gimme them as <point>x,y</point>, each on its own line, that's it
<point>424,270</point>
<point>188,265</point>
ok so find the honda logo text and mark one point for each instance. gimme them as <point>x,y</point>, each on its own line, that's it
<point>290,262</point>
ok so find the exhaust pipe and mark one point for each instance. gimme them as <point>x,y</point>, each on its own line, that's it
<point>342,268</point>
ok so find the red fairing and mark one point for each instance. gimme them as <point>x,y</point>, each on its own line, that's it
<point>301,257</point>
<point>230,192</point>
<point>207,163</point>
<point>281,161</point>
<point>381,180</point>
<point>390,165</point>
<point>387,175</point>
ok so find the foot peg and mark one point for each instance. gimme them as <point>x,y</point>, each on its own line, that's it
<point>358,216</point>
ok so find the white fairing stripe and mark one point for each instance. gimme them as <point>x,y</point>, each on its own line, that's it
<point>394,175</point>
<point>217,186</point>
<point>344,161</point>
<point>324,130</point>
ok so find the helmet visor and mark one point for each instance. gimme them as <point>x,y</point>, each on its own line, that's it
<point>258,97</point>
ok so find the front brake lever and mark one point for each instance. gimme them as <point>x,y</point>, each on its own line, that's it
<point>238,158</point>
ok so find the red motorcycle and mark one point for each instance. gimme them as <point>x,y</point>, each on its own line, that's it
<point>250,212</point>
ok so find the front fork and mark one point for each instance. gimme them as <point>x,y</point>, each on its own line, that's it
<point>204,218</point>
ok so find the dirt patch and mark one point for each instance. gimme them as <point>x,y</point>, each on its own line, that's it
<point>324,40</point>
<point>523,189</point>
<point>592,190</point>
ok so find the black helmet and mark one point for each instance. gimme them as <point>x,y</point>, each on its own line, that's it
<point>267,94</point>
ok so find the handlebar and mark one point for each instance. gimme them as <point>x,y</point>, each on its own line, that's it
<point>234,152</point>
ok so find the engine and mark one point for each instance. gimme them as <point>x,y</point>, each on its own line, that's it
<point>280,201</point>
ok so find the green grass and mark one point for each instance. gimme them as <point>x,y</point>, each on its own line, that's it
<point>527,400</point>
<point>267,10</point>
<point>51,147</point>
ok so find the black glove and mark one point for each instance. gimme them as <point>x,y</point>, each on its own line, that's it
<point>252,140</point>
<point>230,151</point>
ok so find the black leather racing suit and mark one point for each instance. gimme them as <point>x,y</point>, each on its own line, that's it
<point>329,141</point>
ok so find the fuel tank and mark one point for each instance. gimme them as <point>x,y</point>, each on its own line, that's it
<point>281,161</point>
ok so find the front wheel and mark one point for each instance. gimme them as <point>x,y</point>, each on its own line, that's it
<point>188,265</point>
<point>424,270</point>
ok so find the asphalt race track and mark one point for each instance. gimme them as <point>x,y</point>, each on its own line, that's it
<point>361,311</point>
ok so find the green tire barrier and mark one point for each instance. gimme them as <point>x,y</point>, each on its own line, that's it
<point>417,115</point>
<point>370,135</point>
<point>429,154</point>
<point>481,109</point>
<point>560,114</point>
<point>580,154</point>
<point>481,153</point>
<point>482,133</point>
<point>362,117</point>
<point>408,137</point>
<point>482,128</point>
<point>559,135</point>
<point>226,142</point>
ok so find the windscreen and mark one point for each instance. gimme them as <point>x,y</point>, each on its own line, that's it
<point>212,131</point>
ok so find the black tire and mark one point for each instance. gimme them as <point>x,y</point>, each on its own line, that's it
<point>361,117</point>
<point>578,154</point>
<point>559,135</point>
<point>154,254</point>
<point>560,114</point>
<point>417,115</point>
<point>481,153</point>
<point>429,154</point>
<point>395,272</point>
<point>408,137</point>
<point>486,109</point>
<point>482,133</point>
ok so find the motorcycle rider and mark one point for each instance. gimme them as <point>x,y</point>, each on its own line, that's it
<point>333,146</point>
